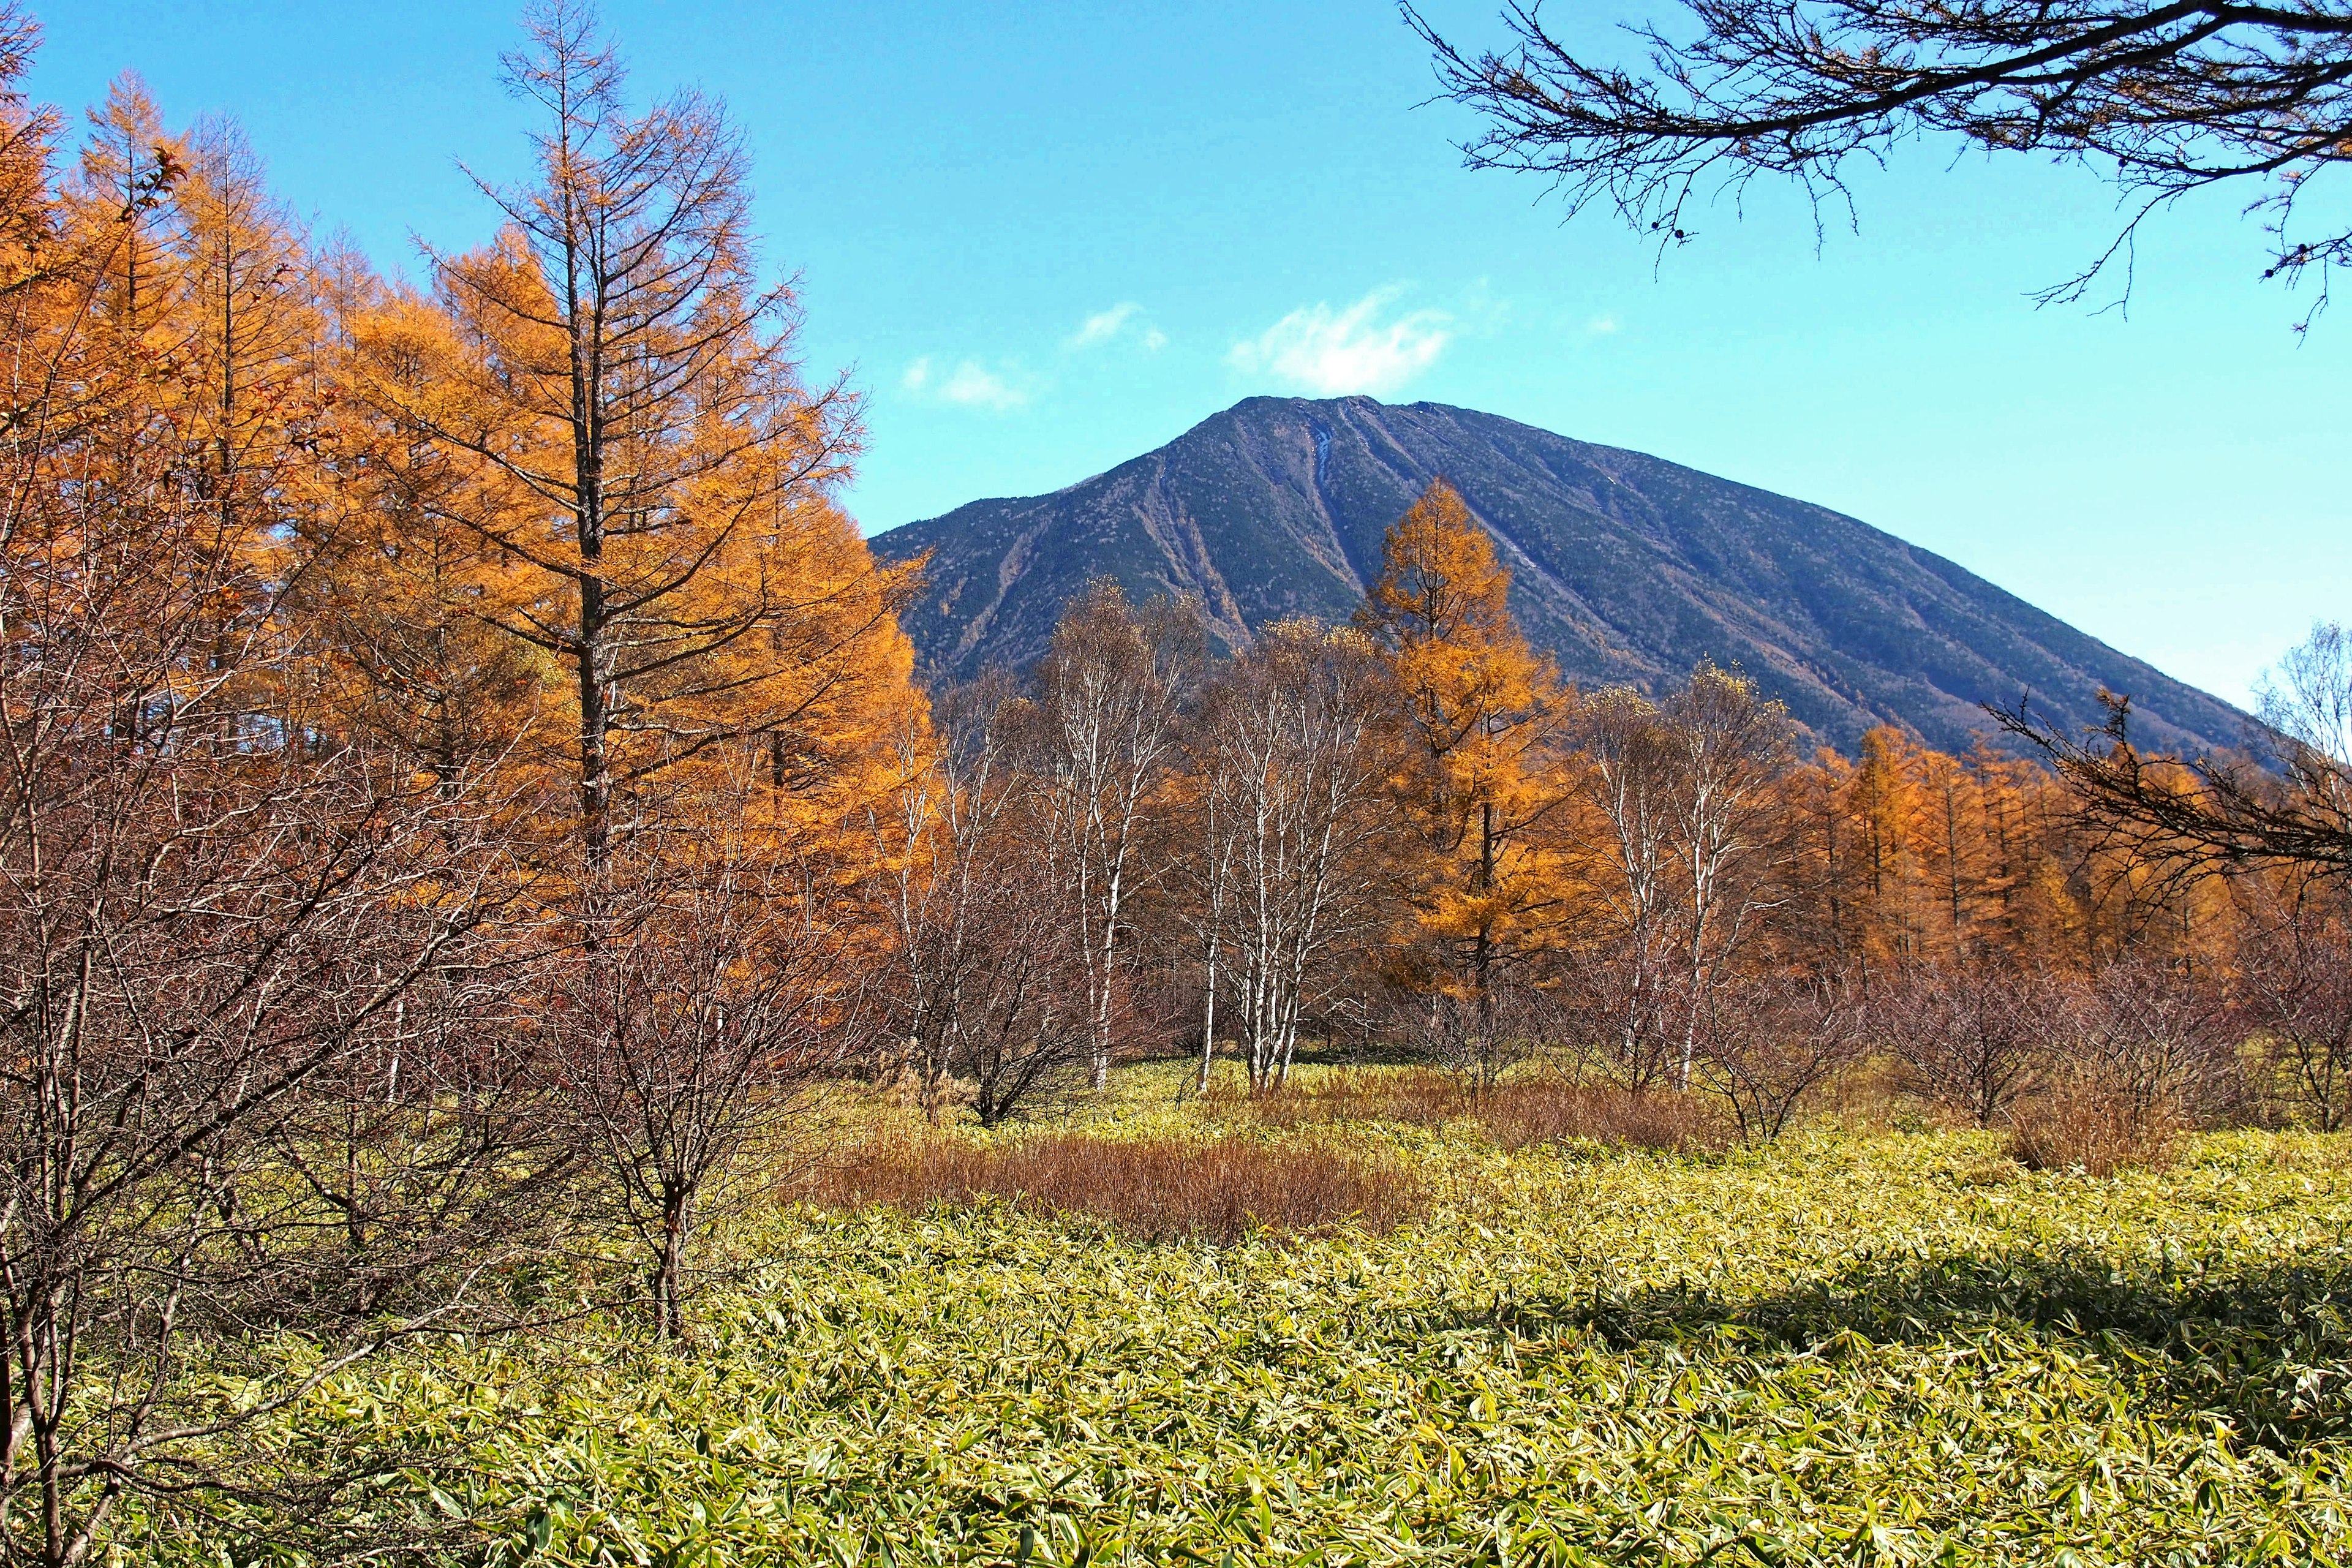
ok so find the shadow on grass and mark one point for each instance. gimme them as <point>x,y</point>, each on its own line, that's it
<point>2268,1349</point>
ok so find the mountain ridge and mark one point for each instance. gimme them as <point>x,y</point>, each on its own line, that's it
<point>1625,568</point>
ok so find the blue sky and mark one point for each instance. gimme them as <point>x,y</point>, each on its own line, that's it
<point>1045,237</point>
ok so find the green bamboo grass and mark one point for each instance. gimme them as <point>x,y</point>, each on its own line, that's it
<point>1889,1348</point>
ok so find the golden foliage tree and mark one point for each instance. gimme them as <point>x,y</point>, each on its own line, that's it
<point>646,457</point>
<point>1482,709</point>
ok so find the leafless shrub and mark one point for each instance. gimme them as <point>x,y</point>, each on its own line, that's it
<point>1475,1038</point>
<point>1968,1035</point>
<point>2142,1053</point>
<point>2079,1119</point>
<point>1544,1110</point>
<point>1766,1043</point>
<point>2294,994</point>
<point>2161,1037</point>
<point>1154,1190</point>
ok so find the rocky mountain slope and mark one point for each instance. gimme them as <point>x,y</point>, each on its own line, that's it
<point>1626,568</point>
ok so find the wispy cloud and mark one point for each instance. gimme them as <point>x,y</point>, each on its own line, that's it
<point>1601,326</point>
<point>1319,349</point>
<point>973,386</point>
<point>970,384</point>
<point>1104,325</point>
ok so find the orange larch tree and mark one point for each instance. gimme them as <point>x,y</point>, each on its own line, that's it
<point>1482,710</point>
<point>631,391</point>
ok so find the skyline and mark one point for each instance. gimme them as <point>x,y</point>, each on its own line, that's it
<point>1047,242</point>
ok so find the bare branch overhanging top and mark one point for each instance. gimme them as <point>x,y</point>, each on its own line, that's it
<point>2164,99</point>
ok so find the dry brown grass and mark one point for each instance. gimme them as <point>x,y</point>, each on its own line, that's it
<point>1152,1189</point>
<point>2080,1121</point>
<point>1514,1114</point>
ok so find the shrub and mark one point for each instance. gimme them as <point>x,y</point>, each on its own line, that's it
<point>2082,1119</point>
<point>1767,1045</point>
<point>1967,1035</point>
<point>1515,1114</point>
<point>1153,1189</point>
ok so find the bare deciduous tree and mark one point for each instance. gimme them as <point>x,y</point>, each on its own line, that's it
<point>1765,1042</point>
<point>694,1026</point>
<point>983,987</point>
<point>2186,817</point>
<point>1689,860</point>
<point>216,924</point>
<point>2165,98</point>
<point>1293,756</point>
<point>1107,724</point>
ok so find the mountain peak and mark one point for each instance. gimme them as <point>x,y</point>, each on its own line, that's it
<point>1625,568</point>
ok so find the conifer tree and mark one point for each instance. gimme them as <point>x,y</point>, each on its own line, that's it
<point>1482,709</point>
<point>615,363</point>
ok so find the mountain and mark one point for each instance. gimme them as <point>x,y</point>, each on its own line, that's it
<point>1625,568</point>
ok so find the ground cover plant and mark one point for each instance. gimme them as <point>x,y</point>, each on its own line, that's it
<point>1842,1347</point>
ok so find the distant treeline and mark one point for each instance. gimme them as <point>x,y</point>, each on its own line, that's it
<point>1405,835</point>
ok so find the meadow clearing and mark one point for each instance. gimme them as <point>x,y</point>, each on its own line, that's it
<point>1871,1341</point>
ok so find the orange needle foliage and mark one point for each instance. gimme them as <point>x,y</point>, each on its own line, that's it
<point>1484,709</point>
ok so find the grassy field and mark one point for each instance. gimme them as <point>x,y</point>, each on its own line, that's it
<point>1854,1348</point>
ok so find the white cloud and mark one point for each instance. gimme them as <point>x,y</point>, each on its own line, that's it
<point>1329,352</point>
<point>1601,326</point>
<point>1104,325</point>
<point>918,376</point>
<point>974,385</point>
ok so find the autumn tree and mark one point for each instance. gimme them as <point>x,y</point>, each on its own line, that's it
<point>214,921</point>
<point>1482,710</point>
<point>651,461</point>
<point>408,602</point>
